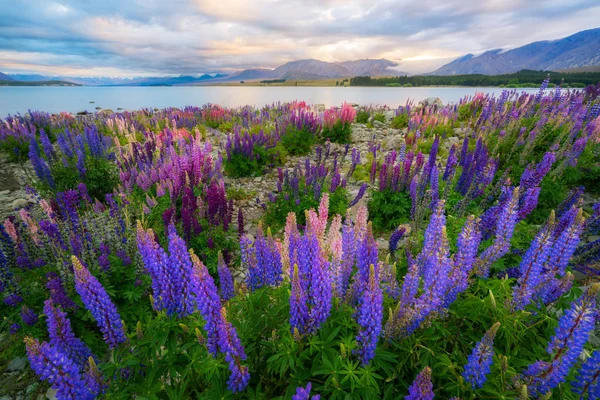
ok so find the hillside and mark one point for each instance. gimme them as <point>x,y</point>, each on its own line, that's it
<point>581,50</point>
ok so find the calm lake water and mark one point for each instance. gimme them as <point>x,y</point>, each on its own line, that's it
<point>55,99</point>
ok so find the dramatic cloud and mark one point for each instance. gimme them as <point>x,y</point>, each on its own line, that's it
<point>151,37</point>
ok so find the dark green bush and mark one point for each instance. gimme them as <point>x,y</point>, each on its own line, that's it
<point>400,121</point>
<point>388,209</point>
<point>298,142</point>
<point>362,116</point>
<point>339,133</point>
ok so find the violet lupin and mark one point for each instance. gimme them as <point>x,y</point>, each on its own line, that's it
<point>28,316</point>
<point>480,359</point>
<point>531,266</point>
<point>225,279</point>
<point>62,337</point>
<point>369,318</point>
<point>229,344</point>
<point>303,393</point>
<point>208,302</point>
<point>98,302</point>
<point>298,304</point>
<point>587,381</point>
<point>421,388</point>
<point>180,271</point>
<point>53,366</point>
<point>565,346</point>
<point>504,230</point>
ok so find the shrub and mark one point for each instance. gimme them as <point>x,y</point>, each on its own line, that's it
<point>362,116</point>
<point>388,209</point>
<point>379,117</point>
<point>339,132</point>
<point>400,121</point>
<point>298,141</point>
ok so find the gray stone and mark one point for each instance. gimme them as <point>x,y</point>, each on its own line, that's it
<point>3,192</point>
<point>6,397</point>
<point>51,394</point>
<point>430,101</point>
<point>394,143</point>
<point>32,388</point>
<point>17,364</point>
<point>20,203</point>
<point>378,124</point>
<point>258,179</point>
<point>382,244</point>
<point>390,115</point>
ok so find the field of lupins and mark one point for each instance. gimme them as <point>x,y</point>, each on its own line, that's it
<point>132,275</point>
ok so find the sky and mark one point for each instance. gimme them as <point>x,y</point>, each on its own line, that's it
<point>172,37</point>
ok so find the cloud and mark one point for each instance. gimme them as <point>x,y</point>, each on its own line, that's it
<point>129,38</point>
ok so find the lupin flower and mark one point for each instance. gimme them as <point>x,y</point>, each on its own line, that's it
<point>530,269</point>
<point>504,231</point>
<point>587,381</point>
<point>98,302</point>
<point>62,336</point>
<point>28,316</point>
<point>395,238</point>
<point>369,318</point>
<point>225,279</point>
<point>303,393</point>
<point>208,301</point>
<point>421,388</point>
<point>53,366</point>
<point>298,304</point>
<point>566,345</point>
<point>480,359</point>
<point>229,344</point>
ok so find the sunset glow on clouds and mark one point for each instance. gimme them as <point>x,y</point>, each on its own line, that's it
<point>155,37</point>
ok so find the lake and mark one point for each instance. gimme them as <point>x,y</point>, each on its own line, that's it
<point>15,99</point>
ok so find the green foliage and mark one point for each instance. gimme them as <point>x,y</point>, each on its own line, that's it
<point>101,177</point>
<point>400,121</point>
<point>388,209</point>
<point>16,150</point>
<point>298,142</point>
<point>533,79</point>
<point>339,133</point>
<point>362,116</point>
<point>277,211</point>
<point>379,117</point>
<point>238,165</point>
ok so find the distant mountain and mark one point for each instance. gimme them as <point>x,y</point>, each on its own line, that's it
<point>315,69</point>
<point>580,50</point>
<point>4,77</point>
<point>108,81</point>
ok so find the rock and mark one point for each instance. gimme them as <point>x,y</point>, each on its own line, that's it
<point>378,124</point>
<point>7,397</point>
<point>258,179</point>
<point>32,388</point>
<point>431,101</point>
<point>390,115</point>
<point>51,394</point>
<point>17,364</point>
<point>3,192</point>
<point>395,142</point>
<point>382,244</point>
<point>20,203</point>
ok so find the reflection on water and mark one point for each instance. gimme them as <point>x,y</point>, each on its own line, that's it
<point>74,99</point>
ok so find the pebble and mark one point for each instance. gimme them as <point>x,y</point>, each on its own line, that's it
<point>17,364</point>
<point>20,203</point>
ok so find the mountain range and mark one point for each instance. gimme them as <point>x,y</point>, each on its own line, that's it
<point>578,52</point>
<point>581,50</point>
